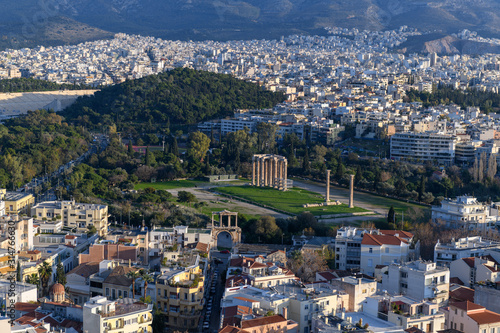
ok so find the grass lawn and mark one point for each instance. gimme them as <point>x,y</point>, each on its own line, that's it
<point>290,201</point>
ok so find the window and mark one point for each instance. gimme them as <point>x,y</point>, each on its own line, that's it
<point>107,291</point>
<point>370,250</point>
<point>462,327</point>
<point>386,250</point>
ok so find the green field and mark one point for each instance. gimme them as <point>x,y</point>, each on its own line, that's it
<point>170,185</point>
<point>290,201</point>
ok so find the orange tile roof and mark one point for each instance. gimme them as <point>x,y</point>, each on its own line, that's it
<point>379,240</point>
<point>232,329</point>
<point>485,317</point>
<point>468,306</point>
<point>262,321</point>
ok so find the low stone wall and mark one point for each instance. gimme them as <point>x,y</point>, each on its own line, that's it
<point>329,203</point>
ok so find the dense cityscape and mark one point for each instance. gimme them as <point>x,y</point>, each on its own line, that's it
<point>311,184</point>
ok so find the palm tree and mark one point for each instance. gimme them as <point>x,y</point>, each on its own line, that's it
<point>133,275</point>
<point>147,279</point>
<point>33,279</point>
<point>45,272</point>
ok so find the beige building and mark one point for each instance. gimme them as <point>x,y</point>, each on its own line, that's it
<point>17,202</point>
<point>23,232</point>
<point>124,316</point>
<point>358,290</point>
<point>74,215</point>
<point>180,297</point>
<point>472,318</point>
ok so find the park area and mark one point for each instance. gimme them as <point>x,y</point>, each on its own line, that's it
<point>170,185</point>
<point>290,201</point>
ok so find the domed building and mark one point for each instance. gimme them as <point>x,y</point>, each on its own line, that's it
<point>57,293</point>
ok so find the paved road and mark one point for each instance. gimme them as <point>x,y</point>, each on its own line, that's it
<point>243,207</point>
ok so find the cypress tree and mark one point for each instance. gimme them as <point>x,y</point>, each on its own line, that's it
<point>305,162</point>
<point>130,149</point>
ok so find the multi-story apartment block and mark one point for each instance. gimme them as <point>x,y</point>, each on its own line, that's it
<point>16,202</point>
<point>423,147</point>
<point>348,245</point>
<point>405,312</point>
<point>124,315</point>
<point>445,253</point>
<point>419,280</point>
<point>258,273</point>
<point>180,297</point>
<point>463,212</point>
<point>23,232</point>
<point>358,289</point>
<point>79,216</point>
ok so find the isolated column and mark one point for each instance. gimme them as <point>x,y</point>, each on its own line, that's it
<point>327,186</point>
<point>351,197</point>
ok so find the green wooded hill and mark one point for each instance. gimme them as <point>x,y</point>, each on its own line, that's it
<point>29,85</point>
<point>180,96</point>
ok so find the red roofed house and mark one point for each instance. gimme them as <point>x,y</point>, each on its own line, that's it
<point>472,318</point>
<point>383,250</point>
<point>276,323</point>
<point>261,274</point>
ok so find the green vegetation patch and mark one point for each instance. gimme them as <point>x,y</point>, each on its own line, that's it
<point>170,185</point>
<point>180,96</point>
<point>290,201</point>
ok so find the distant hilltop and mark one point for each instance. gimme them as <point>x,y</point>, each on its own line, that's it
<point>66,22</point>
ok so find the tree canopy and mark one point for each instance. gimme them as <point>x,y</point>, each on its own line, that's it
<point>180,96</point>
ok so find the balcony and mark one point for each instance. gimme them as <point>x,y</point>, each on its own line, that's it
<point>190,302</point>
<point>190,314</point>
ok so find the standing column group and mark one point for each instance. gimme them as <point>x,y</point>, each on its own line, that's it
<point>269,170</point>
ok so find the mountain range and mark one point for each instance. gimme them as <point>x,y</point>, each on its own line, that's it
<point>53,22</point>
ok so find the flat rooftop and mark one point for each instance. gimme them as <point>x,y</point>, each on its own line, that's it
<point>376,325</point>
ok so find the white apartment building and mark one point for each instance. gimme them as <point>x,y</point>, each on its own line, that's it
<point>445,253</point>
<point>162,238</point>
<point>348,245</point>
<point>422,147</point>
<point>23,232</point>
<point>124,315</point>
<point>382,250</point>
<point>419,280</point>
<point>404,312</point>
<point>74,215</point>
<point>462,212</point>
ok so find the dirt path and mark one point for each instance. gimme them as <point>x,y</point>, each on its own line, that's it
<point>232,205</point>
